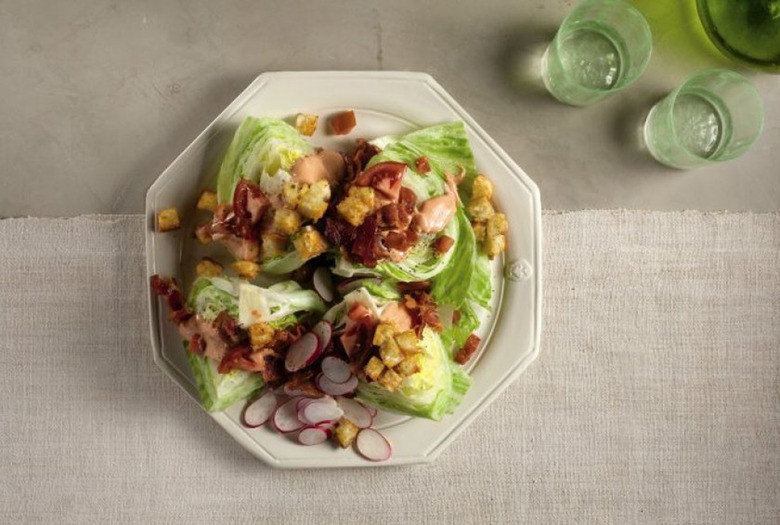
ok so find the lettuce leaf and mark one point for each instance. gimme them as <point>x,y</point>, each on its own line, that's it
<point>436,390</point>
<point>259,145</point>
<point>275,303</point>
<point>455,335</point>
<point>453,285</point>
<point>481,289</point>
<point>219,391</point>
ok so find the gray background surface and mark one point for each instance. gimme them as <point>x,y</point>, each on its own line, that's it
<point>98,97</point>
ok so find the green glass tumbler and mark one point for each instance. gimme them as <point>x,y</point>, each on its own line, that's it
<point>714,116</point>
<point>601,48</point>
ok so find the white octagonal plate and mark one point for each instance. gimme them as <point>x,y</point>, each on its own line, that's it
<point>384,103</point>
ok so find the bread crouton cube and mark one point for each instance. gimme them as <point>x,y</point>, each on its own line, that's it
<point>346,432</point>
<point>481,209</point>
<point>495,245</point>
<point>273,245</point>
<point>391,380</point>
<point>291,193</point>
<point>390,353</point>
<point>260,335</point>
<point>207,201</point>
<point>480,230</point>
<point>358,205</point>
<point>374,368</point>
<point>314,201</point>
<point>286,221</point>
<point>482,187</point>
<point>408,366</point>
<point>497,225</point>
<point>207,267</point>
<point>168,220</point>
<point>408,342</point>
<point>247,269</point>
<point>382,333</point>
<point>306,123</point>
<point>309,243</point>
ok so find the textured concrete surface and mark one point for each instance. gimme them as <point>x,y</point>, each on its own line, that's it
<point>98,96</point>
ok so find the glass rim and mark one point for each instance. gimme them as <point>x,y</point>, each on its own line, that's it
<point>647,33</point>
<point>672,97</point>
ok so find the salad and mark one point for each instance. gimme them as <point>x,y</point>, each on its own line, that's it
<point>347,282</point>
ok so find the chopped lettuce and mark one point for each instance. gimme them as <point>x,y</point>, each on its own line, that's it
<point>219,391</point>
<point>454,336</point>
<point>210,296</point>
<point>256,304</point>
<point>283,264</point>
<point>453,285</point>
<point>259,145</point>
<point>435,390</point>
<point>481,289</point>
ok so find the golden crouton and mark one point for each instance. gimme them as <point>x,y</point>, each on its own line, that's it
<point>260,335</point>
<point>481,209</point>
<point>374,368</point>
<point>495,245</point>
<point>207,201</point>
<point>168,220</point>
<point>287,221</point>
<point>203,235</point>
<point>309,243</point>
<point>314,201</point>
<point>208,268</point>
<point>291,193</point>
<point>358,205</point>
<point>482,188</point>
<point>480,230</point>
<point>383,332</point>
<point>391,380</point>
<point>408,342</point>
<point>497,225</point>
<point>273,245</point>
<point>247,269</point>
<point>306,123</point>
<point>346,432</point>
<point>390,353</point>
<point>408,366</point>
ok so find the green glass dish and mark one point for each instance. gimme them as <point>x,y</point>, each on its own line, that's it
<point>747,31</point>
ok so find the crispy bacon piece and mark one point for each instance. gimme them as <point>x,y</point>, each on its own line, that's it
<point>229,327</point>
<point>168,289</point>
<point>365,249</point>
<point>422,310</point>
<point>266,361</point>
<point>365,152</point>
<point>410,288</point>
<point>396,241</point>
<point>302,382</point>
<point>456,316</point>
<point>197,345</point>
<point>339,232</point>
<point>469,347</point>
<point>249,205</point>
<point>422,165</point>
<point>342,123</point>
<point>407,202</point>
<point>443,244</point>
<point>389,216</point>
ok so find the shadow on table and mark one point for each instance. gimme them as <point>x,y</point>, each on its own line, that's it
<point>519,59</point>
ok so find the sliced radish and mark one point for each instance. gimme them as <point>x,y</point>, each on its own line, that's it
<point>286,417</point>
<point>324,332</point>
<point>303,352</point>
<point>258,411</point>
<point>373,445</point>
<point>336,389</point>
<point>356,412</point>
<point>302,403</point>
<point>335,369</point>
<point>312,436</point>
<point>371,410</point>
<point>353,283</point>
<point>320,412</point>
<point>323,284</point>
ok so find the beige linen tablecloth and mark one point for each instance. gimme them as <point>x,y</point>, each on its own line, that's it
<point>655,397</point>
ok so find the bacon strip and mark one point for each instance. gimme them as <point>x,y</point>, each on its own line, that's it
<point>422,165</point>
<point>168,289</point>
<point>468,350</point>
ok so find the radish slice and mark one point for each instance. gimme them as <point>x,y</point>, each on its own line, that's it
<point>312,436</point>
<point>258,411</point>
<point>320,412</point>
<point>373,445</point>
<point>323,284</point>
<point>324,332</point>
<point>356,412</point>
<point>335,369</point>
<point>303,352</point>
<point>336,389</point>
<point>353,283</point>
<point>286,417</point>
<point>371,410</point>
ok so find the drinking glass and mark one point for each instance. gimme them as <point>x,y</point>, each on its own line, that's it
<point>601,48</point>
<point>714,116</point>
